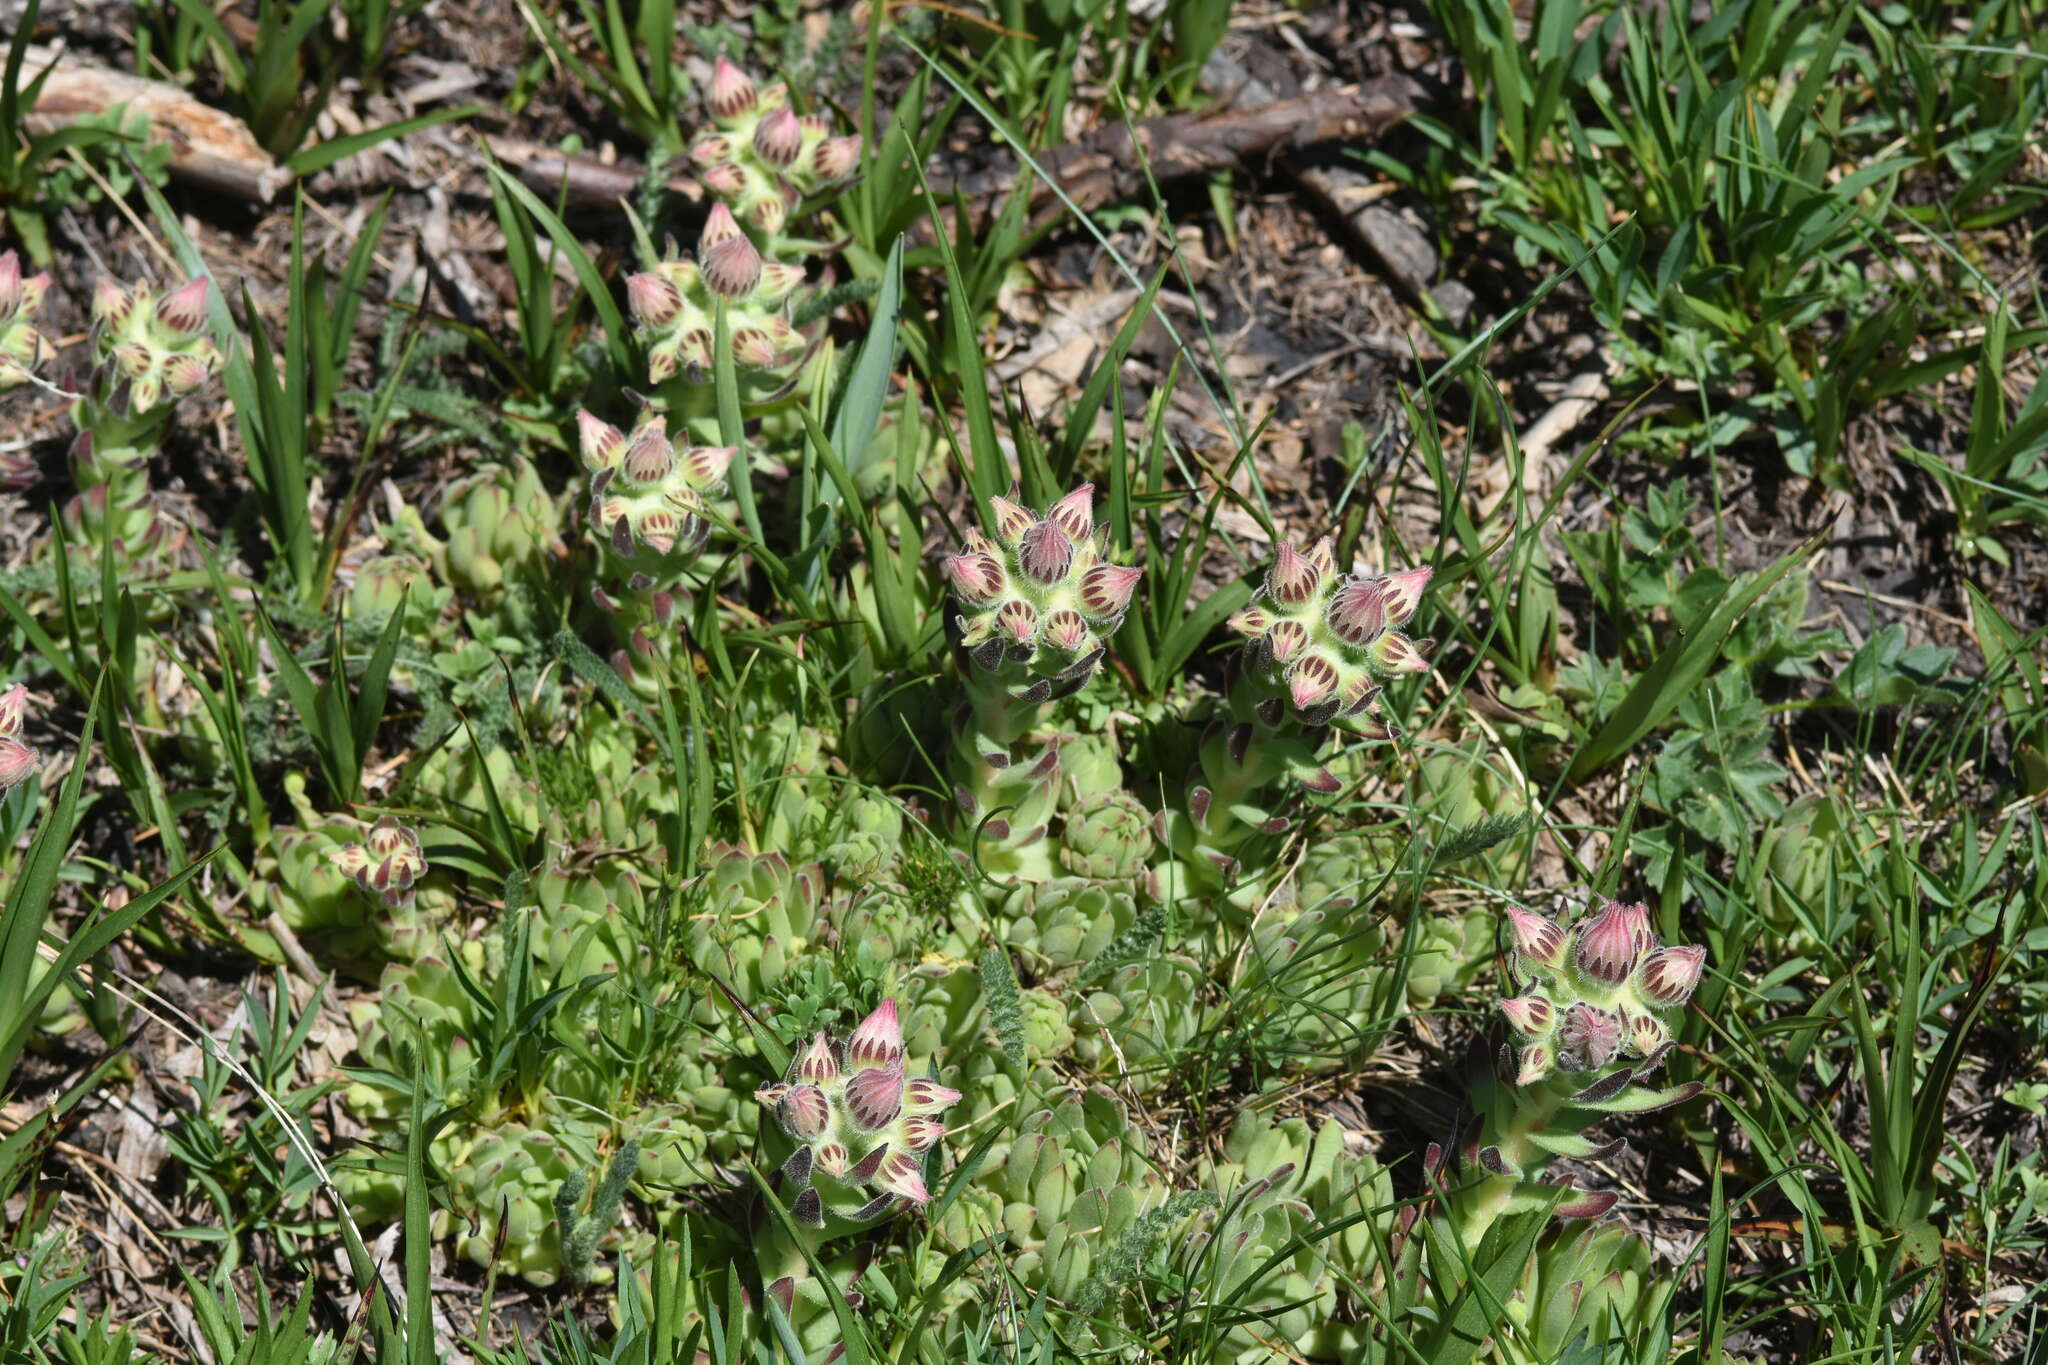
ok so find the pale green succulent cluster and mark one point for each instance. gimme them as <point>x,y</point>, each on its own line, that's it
<point>764,157</point>
<point>360,894</point>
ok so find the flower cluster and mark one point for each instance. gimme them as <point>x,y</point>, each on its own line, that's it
<point>156,343</point>
<point>1043,595</point>
<point>859,1121</point>
<point>386,863</point>
<point>676,305</point>
<point>17,759</point>
<point>1326,640</point>
<point>765,157</point>
<point>1598,990</point>
<point>646,492</point>
<point>22,348</point>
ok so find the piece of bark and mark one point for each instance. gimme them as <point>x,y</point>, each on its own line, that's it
<point>585,183</point>
<point>209,149</point>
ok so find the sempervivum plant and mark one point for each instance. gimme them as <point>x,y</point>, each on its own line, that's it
<point>1037,605</point>
<point>152,351</point>
<point>647,504</point>
<point>1591,1023</point>
<point>675,306</point>
<point>863,1129</point>
<point>764,157</point>
<point>1319,646</point>
<point>22,348</point>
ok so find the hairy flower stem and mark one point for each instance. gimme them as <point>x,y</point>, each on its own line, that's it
<point>999,773</point>
<point>1530,1111</point>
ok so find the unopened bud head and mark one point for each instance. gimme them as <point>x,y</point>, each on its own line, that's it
<point>1311,682</point>
<point>705,467</point>
<point>731,266</point>
<point>649,459</point>
<point>1403,593</point>
<point>711,150</point>
<point>878,1040</point>
<point>602,442</point>
<point>1394,652</point>
<point>17,761</point>
<point>1012,521</point>
<point>1358,611</point>
<point>836,158</point>
<point>110,302</point>
<point>1286,639</point>
<point>727,178</point>
<point>976,577</point>
<point>804,1112</point>
<point>1019,618</point>
<point>732,91</point>
<point>1606,948</point>
<point>719,226</point>
<point>817,1065</point>
<point>654,299</point>
<point>902,1174</point>
<point>779,138</point>
<point>1538,942</point>
<point>1075,513</point>
<point>1293,578</point>
<point>1669,976</point>
<point>874,1095</point>
<point>1045,553</point>
<point>1106,589</point>
<point>1529,1015</point>
<point>1067,630</point>
<point>183,310</point>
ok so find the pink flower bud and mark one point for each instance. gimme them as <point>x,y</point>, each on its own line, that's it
<point>1293,578</point>
<point>878,1041</point>
<point>1106,590</point>
<point>922,1134</point>
<point>727,179</point>
<point>1323,555</point>
<point>732,91</point>
<point>830,1158</point>
<point>902,1174</point>
<point>1530,1015</point>
<point>1287,639</point>
<point>705,467</point>
<point>1045,554</point>
<point>817,1064</point>
<point>976,578</point>
<point>770,212</point>
<point>13,708</point>
<point>1066,630</point>
<point>1252,621</point>
<point>1311,682</point>
<point>1402,593</point>
<point>719,226</point>
<point>110,302</point>
<point>133,359</point>
<point>1535,1064</point>
<point>1607,948</point>
<point>602,442</point>
<point>804,1112</point>
<point>731,266</point>
<point>1012,521</point>
<point>1075,513</point>
<point>778,281</point>
<point>779,138</point>
<point>1393,652</point>
<point>32,291</point>
<point>924,1096</point>
<point>1644,1034</point>
<point>1358,611</point>
<point>659,529</point>
<point>1638,918</point>
<point>1537,941</point>
<point>183,310</point>
<point>649,458</point>
<point>1019,618</point>
<point>754,348</point>
<point>836,158</point>
<point>709,151</point>
<point>1592,1036</point>
<point>184,373</point>
<point>17,761</point>
<point>874,1095</point>
<point>10,284</point>
<point>654,299</point>
<point>1670,975</point>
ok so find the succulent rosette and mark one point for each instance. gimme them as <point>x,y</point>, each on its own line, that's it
<point>1037,604</point>
<point>763,157</point>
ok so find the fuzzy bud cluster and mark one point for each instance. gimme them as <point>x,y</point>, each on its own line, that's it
<point>1042,594</point>
<point>764,156</point>
<point>155,344</point>
<point>17,759</point>
<point>1327,640</point>
<point>22,348</point>
<point>645,490</point>
<point>859,1120</point>
<point>1598,990</point>
<point>386,864</point>
<point>675,305</point>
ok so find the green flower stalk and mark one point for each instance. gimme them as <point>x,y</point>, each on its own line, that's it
<point>152,352</point>
<point>1037,605</point>
<point>1590,1024</point>
<point>863,1129</point>
<point>765,157</point>
<point>647,503</point>
<point>22,348</point>
<point>1319,644</point>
